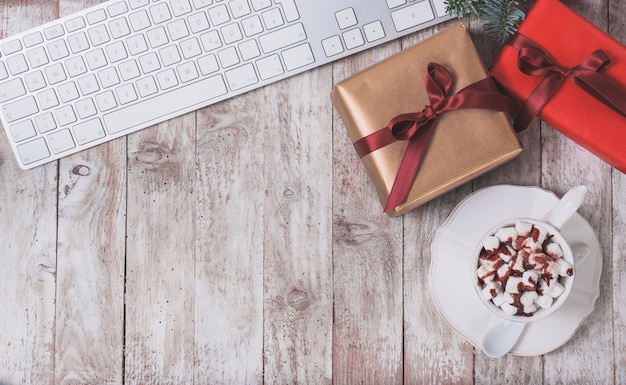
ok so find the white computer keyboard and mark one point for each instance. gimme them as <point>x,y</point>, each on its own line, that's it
<point>124,65</point>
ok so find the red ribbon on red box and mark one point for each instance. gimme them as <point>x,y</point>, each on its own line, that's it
<point>534,60</point>
<point>417,127</point>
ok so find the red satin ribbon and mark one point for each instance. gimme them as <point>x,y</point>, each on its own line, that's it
<point>417,127</point>
<point>534,60</point>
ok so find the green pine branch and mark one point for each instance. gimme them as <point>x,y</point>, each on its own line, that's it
<point>501,17</point>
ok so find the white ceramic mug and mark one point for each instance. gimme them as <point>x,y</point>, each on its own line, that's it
<point>553,221</point>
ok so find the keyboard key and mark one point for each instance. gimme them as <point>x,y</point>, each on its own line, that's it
<point>32,39</point>
<point>116,52</point>
<point>157,37</point>
<point>11,47</point>
<point>3,72</point>
<point>353,38</point>
<point>106,101</point>
<point>34,81</point>
<point>17,64</point>
<point>282,38</point>
<point>374,31</point>
<point>61,141</point>
<point>75,66</point>
<point>88,84</point>
<point>58,50</point>
<point>160,13</point>
<point>96,16</point>
<point>139,20</point>
<point>20,109</point>
<point>65,115</point>
<point>219,15</point>
<point>99,35</point>
<point>129,70</point>
<point>68,92</point>
<point>228,57</point>
<point>78,42</point>
<point>440,7</point>
<point>261,4</point>
<point>208,64</point>
<point>117,9</point>
<point>45,122</point>
<point>252,26</point>
<point>346,18</point>
<point>33,151</point>
<point>180,7</point>
<point>47,99</point>
<point>190,48</point>
<point>249,50</point>
<point>12,89</point>
<point>169,55</point>
<point>290,9</point>
<point>198,22</point>
<point>149,62</point>
<point>134,4</point>
<point>162,105</point>
<point>89,131</point>
<point>239,8</point>
<point>210,41</point>
<point>298,57</point>
<point>54,31</point>
<point>118,28</point>
<point>75,24</point>
<point>96,59</point>
<point>85,108</point>
<point>187,72</point>
<point>147,86</point>
<point>167,79</point>
<point>395,3</point>
<point>22,130</point>
<point>108,77</point>
<point>272,18</point>
<point>269,67</point>
<point>412,16</point>
<point>37,57</point>
<point>201,3</point>
<point>55,73</point>
<point>126,94</point>
<point>231,33</point>
<point>332,46</point>
<point>177,29</point>
<point>136,44</point>
<point>241,77</point>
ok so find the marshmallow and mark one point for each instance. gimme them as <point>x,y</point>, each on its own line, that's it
<point>530,308</point>
<point>557,290</point>
<point>554,250</point>
<point>512,284</point>
<point>508,308</point>
<point>523,228</point>
<point>518,243</point>
<point>531,245</point>
<point>491,244</point>
<point>503,271</point>
<point>545,301</point>
<point>564,268</point>
<point>529,280</point>
<point>507,254</point>
<point>528,298</point>
<point>539,234</point>
<point>499,299</point>
<point>506,234</point>
<point>539,261</point>
<point>489,291</point>
<point>486,273</point>
<point>517,264</point>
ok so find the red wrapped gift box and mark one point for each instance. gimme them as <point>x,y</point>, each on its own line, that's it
<point>570,40</point>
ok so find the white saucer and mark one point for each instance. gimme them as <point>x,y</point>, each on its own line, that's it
<point>451,258</point>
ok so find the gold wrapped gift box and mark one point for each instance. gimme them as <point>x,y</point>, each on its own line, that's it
<point>466,142</point>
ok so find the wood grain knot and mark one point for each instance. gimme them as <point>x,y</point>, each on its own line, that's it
<point>81,170</point>
<point>353,233</point>
<point>298,299</point>
<point>150,155</point>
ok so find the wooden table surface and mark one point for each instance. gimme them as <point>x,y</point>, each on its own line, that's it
<point>244,244</point>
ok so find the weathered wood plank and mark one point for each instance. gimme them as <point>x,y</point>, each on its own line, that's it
<point>617,22</point>
<point>160,254</point>
<point>90,278</point>
<point>297,224</point>
<point>28,262</point>
<point>367,253</point>
<point>565,165</point>
<point>229,242</point>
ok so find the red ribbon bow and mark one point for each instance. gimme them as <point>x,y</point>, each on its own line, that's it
<point>417,127</point>
<point>534,60</point>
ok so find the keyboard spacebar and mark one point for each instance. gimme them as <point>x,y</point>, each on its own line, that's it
<point>165,105</point>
